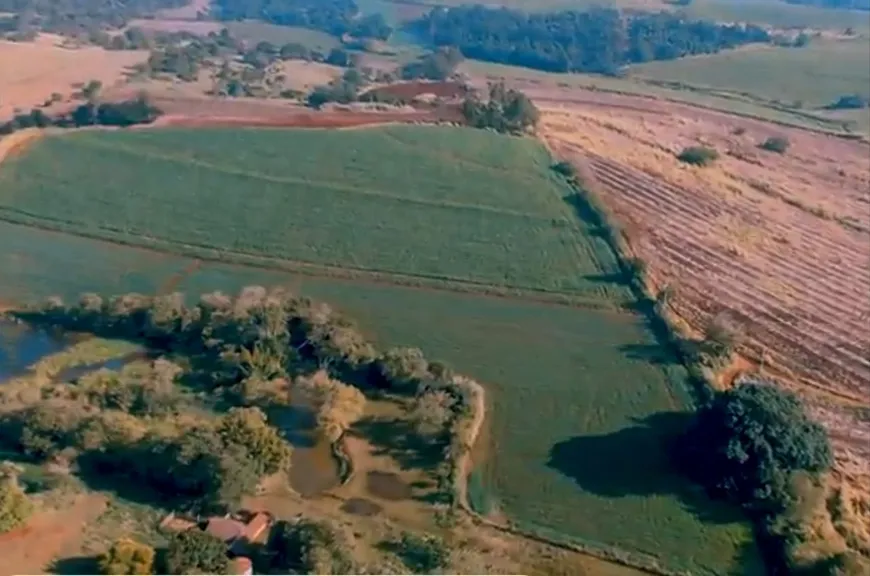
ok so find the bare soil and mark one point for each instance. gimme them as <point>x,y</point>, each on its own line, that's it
<point>779,244</point>
<point>411,90</point>
<point>30,72</point>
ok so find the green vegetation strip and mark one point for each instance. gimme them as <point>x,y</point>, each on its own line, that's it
<point>440,203</point>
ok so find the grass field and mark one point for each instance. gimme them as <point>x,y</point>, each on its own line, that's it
<point>815,75</point>
<point>279,35</point>
<point>779,14</point>
<point>436,203</point>
<point>580,400</point>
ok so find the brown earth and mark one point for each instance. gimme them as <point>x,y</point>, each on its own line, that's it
<point>778,244</point>
<point>48,535</point>
<point>411,90</point>
<point>30,72</point>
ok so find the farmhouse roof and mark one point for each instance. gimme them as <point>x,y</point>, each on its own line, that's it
<point>226,529</point>
<point>256,525</point>
<point>241,566</point>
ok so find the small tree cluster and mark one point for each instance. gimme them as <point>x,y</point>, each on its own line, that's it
<point>306,546</point>
<point>338,405</point>
<point>437,65</point>
<point>196,552</point>
<point>15,506</point>
<point>748,441</point>
<point>507,110</point>
<point>423,554</point>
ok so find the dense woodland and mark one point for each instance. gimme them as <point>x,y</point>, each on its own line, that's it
<point>337,17</point>
<point>599,40</point>
<point>72,17</point>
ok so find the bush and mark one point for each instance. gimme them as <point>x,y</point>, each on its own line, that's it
<point>565,168</point>
<point>195,551</point>
<point>308,547</point>
<point>423,554</point>
<point>698,155</point>
<point>15,506</point>
<point>748,441</point>
<point>127,557</point>
<point>778,144</point>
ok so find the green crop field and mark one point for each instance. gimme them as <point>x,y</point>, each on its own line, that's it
<point>779,14</point>
<point>815,75</point>
<point>254,32</point>
<point>440,203</point>
<point>580,401</point>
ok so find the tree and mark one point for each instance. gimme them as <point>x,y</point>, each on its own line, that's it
<point>264,445</point>
<point>748,441</point>
<point>196,551</point>
<point>404,368</point>
<point>308,547</point>
<point>15,506</point>
<point>433,410</point>
<point>127,556</point>
<point>339,405</point>
<point>91,90</point>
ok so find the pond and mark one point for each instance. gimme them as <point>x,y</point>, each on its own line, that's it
<point>313,467</point>
<point>22,346</point>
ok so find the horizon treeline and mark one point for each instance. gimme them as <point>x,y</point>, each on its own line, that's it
<point>600,40</point>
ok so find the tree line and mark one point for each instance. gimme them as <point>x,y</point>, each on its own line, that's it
<point>75,17</point>
<point>124,113</point>
<point>599,40</point>
<point>336,17</point>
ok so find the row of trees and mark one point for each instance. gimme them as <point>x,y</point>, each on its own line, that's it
<point>599,40</point>
<point>337,17</point>
<point>124,113</point>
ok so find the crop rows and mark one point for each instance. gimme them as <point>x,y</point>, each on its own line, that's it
<point>386,203</point>
<point>805,298</point>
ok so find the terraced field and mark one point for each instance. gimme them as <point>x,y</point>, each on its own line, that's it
<point>412,231</point>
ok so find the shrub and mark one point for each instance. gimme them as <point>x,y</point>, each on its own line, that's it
<point>778,144</point>
<point>127,557</point>
<point>308,547</point>
<point>423,554</point>
<point>15,506</point>
<point>195,551</point>
<point>698,155</point>
<point>565,168</point>
<point>748,441</point>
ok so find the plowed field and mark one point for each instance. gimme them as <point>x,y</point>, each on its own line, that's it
<point>778,243</point>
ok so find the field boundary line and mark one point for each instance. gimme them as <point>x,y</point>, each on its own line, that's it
<point>315,270</point>
<point>350,190</point>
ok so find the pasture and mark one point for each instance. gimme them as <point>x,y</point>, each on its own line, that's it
<point>814,76</point>
<point>581,399</point>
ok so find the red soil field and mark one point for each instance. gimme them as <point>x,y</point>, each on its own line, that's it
<point>410,90</point>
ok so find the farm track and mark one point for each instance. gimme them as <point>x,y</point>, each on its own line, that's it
<point>817,325</point>
<point>204,254</point>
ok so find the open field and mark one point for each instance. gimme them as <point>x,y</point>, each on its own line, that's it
<point>463,213</point>
<point>778,243</point>
<point>544,87</point>
<point>476,210</point>
<point>779,14</point>
<point>815,75</point>
<point>30,72</point>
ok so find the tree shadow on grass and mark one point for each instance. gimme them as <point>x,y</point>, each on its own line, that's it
<point>399,439</point>
<point>75,565</point>
<point>637,461</point>
<point>655,353</point>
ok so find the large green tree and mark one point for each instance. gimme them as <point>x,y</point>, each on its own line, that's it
<point>749,440</point>
<point>127,556</point>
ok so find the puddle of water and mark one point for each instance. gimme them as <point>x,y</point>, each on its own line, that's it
<point>313,468</point>
<point>361,507</point>
<point>22,346</point>
<point>387,486</point>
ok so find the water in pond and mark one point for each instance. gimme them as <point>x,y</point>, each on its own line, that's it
<point>313,468</point>
<point>22,346</point>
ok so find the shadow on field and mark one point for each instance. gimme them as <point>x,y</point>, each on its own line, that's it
<point>635,461</point>
<point>399,439</point>
<point>76,565</point>
<point>655,353</point>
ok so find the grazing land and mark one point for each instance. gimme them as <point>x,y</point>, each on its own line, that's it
<point>813,76</point>
<point>593,377</point>
<point>30,72</point>
<point>779,14</point>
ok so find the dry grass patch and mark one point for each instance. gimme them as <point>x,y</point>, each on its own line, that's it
<point>30,72</point>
